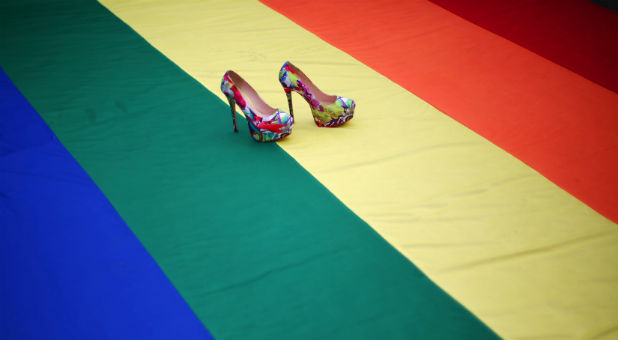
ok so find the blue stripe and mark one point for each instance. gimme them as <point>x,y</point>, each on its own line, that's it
<point>69,265</point>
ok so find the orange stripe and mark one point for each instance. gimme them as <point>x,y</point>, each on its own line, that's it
<point>556,121</point>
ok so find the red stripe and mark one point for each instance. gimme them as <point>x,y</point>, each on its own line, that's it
<point>576,34</point>
<point>556,121</point>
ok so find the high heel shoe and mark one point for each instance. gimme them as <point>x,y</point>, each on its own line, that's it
<point>327,110</point>
<point>266,124</point>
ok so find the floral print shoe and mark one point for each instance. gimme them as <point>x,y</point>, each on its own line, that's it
<point>327,110</point>
<point>266,124</point>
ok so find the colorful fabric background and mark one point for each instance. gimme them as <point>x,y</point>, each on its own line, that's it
<point>473,196</point>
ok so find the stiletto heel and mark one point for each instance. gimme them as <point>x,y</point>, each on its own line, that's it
<point>288,93</point>
<point>233,107</point>
<point>327,110</point>
<point>266,124</point>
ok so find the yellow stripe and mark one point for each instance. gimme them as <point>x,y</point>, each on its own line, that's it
<point>527,258</point>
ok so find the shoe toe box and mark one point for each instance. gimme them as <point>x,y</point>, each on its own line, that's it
<point>347,104</point>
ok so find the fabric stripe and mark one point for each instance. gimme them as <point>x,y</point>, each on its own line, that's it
<point>609,4</point>
<point>499,237</point>
<point>576,34</point>
<point>559,123</point>
<point>69,266</point>
<point>257,247</point>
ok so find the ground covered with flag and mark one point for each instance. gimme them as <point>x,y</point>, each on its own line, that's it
<point>474,195</point>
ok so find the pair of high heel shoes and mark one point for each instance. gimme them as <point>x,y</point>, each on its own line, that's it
<point>267,124</point>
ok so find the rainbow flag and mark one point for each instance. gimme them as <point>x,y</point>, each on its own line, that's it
<point>473,196</point>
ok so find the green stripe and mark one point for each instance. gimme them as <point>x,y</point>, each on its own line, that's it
<point>257,247</point>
